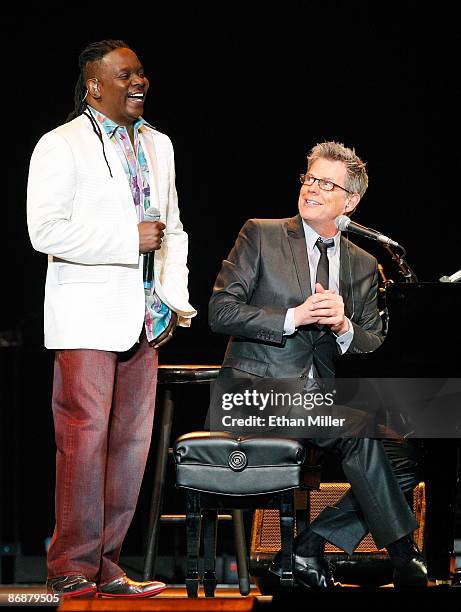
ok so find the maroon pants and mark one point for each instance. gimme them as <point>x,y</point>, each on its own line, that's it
<point>103,409</point>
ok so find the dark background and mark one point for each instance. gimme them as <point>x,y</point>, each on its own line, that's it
<point>244,96</point>
<point>244,92</point>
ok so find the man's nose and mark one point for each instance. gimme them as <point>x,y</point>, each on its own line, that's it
<point>138,80</point>
<point>314,188</point>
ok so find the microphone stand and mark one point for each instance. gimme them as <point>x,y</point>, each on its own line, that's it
<point>409,277</point>
<point>383,311</point>
<point>405,271</point>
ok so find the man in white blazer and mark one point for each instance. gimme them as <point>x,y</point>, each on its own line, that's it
<point>90,181</point>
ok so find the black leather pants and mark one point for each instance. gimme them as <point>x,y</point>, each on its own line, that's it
<point>380,472</point>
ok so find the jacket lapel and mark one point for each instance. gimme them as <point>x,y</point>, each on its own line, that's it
<point>346,275</point>
<point>148,144</point>
<point>118,172</point>
<point>119,183</point>
<point>297,242</point>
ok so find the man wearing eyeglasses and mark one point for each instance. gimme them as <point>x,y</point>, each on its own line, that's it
<point>294,296</point>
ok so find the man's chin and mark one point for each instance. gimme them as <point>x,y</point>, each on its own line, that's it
<point>135,112</point>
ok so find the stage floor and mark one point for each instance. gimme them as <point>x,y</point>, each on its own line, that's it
<point>227,598</point>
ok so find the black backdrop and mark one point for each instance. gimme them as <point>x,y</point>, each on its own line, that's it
<point>243,91</point>
<point>244,95</point>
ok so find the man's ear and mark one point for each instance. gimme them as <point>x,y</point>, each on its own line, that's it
<point>351,203</point>
<point>93,88</point>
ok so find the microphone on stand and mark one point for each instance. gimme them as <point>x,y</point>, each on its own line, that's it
<point>345,223</point>
<point>151,214</point>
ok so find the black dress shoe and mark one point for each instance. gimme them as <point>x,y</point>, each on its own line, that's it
<point>311,572</point>
<point>71,585</point>
<point>124,587</point>
<point>412,573</point>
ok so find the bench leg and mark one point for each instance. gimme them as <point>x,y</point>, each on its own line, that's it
<point>193,519</point>
<point>241,551</point>
<point>287,532</point>
<point>209,528</point>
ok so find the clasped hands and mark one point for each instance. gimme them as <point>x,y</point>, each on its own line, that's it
<point>324,307</point>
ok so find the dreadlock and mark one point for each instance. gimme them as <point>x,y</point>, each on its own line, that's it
<point>93,52</point>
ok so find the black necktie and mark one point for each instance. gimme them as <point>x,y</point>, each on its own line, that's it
<point>323,273</point>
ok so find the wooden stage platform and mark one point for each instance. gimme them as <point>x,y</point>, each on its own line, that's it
<point>228,599</point>
<point>172,599</point>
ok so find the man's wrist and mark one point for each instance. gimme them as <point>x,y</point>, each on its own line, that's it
<point>343,329</point>
<point>295,320</point>
<point>289,326</point>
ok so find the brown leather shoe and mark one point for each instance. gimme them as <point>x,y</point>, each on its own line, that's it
<point>71,585</point>
<point>124,587</point>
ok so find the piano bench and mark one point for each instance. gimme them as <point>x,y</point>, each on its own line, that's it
<point>223,470</point>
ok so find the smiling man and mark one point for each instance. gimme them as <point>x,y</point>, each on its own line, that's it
<point>90,182</point>
<point>294,296</point>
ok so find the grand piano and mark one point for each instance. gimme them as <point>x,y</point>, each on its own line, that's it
<point>423,341</point>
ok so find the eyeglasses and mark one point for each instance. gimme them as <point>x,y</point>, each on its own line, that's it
<point>325,185</point>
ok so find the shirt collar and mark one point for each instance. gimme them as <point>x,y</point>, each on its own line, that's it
<point>110,127</point>
<point>312,237</point>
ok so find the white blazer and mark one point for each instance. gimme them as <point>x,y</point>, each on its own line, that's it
<point>85,221</point>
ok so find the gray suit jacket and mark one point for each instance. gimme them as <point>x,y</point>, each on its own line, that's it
<point>266,273</point>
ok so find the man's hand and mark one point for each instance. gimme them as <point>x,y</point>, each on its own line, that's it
<point>325,308</point>
<point>150,235</point>
<point>167,334</point>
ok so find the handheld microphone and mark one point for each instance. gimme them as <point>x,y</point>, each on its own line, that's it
<point>151,214</point>
<point>344,223</point>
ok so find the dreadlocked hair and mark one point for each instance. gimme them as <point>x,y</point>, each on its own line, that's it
<point>93,52</point>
